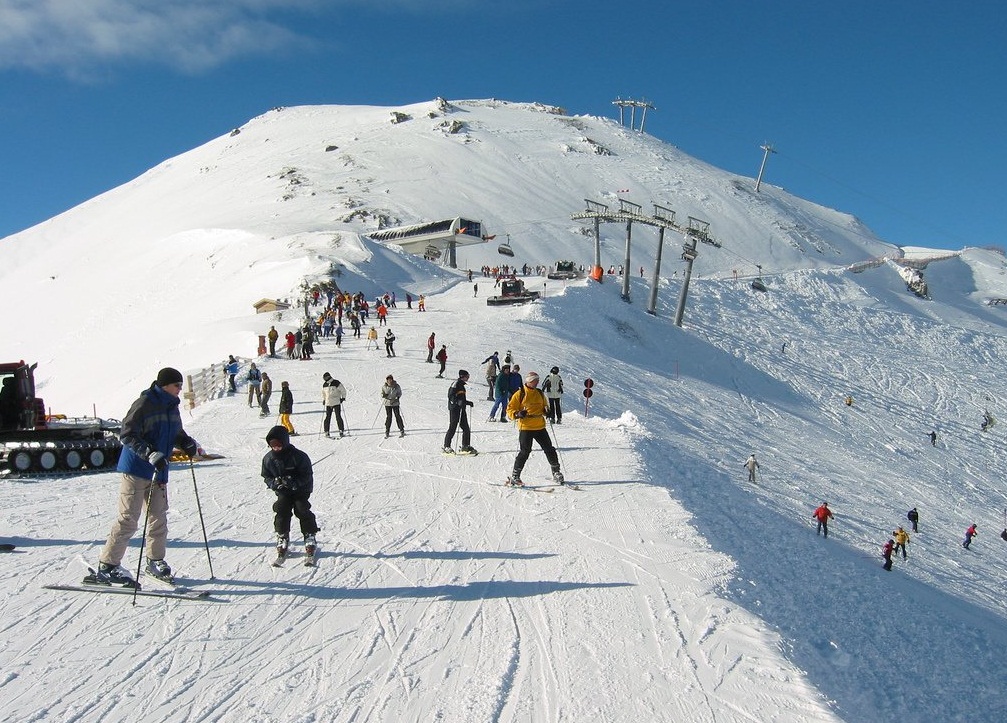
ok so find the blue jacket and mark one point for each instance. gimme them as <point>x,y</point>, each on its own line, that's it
<point>152,424</point>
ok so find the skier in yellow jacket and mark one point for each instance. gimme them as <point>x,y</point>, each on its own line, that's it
<point>528,407</point>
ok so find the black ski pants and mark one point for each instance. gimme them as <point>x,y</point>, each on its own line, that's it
<point>525,438</point>
<point>289,504</point>
<point>328,417</point>
<point>389,411</point>
<point>457,419</point>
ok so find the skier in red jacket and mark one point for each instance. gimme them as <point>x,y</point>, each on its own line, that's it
<point>823,514</point>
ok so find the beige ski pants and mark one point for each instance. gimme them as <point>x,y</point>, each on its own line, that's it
<point>133,493</point>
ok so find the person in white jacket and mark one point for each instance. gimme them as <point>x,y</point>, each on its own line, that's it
<point>333,396</point>
<point>751,465</point>
<point>553,388</point>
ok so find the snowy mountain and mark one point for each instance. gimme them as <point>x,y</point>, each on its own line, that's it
<point>667,588</point>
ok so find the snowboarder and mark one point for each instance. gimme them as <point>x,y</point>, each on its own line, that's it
<point>886,552</point>
<point>528,406</point>
<point>254,378</point>
<point>901,540</point>
<point>751,464</point>
<point>391,393</point>
<point>553,388</point>
<point>431,345</point>
<point>267,392</point>
<point>442,359</point>
<point>389,343</point>
<point>823,514</point>
<point>933,439</point>
<point>151,430</point>
<point>286,407</point>
<point>287,471</point>
<point>333,396</point>
<point>969,534</point>
<point>914,517</point>
<point>458,404</point>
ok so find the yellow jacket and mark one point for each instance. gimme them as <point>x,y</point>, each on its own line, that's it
<point>531,400</point>
<point>901,536</point>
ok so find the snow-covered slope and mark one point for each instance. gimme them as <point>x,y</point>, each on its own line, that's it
<point>668,588</point>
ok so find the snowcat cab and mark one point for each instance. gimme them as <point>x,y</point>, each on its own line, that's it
<point>512,291</point>
<point>33,443</point>
<point>564,271</point>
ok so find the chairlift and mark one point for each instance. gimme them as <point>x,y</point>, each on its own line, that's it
<point>505,248</point>
<point>432,253</point>
<point>758,284</point>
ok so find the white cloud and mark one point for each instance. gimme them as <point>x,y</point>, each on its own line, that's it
<point>76,37</point>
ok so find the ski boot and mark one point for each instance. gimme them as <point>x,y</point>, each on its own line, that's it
<point>159,569</point>
<point>309,545</point>
<point>557,476</point>
<point>468,450</point>
<point>514,481</point>
<point>110,575</point>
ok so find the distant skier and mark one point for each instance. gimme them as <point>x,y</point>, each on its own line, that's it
<point>988,421</point>
<point>527,406</point>
<point>286,470</point>
<point>442,359</point>
<point>969,534</point>
<point>751,465</point>
<point>254,378</point>
<point>933,439</point>
<point>458,404</point>
<point>372,338</point>
<point>389,343</point>
<point>492,363</point>
<point>823,514</point>
<point>501,394</point>
<point>267,392</point>
<point>333,396</point>
<point>901,540</point>
<point>431,345</point>
<point>231,370</point>
<point>286,407</point>
<point>391,393</point>
<point>553,388</point>
<point>914,517</point>
<point>272,335</point>
<point>886,552</point>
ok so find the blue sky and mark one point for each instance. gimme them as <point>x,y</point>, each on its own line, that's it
<point>891,111</point>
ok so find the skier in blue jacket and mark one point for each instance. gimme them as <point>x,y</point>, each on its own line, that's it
<point>151,430</point>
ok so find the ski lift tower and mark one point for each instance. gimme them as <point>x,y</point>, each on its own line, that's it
<point>697,231</point>
<point>664,218</point>
<point>597,212</point>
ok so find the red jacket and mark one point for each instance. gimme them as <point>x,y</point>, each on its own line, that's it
<point>822,514</point>
<point>886,551</point>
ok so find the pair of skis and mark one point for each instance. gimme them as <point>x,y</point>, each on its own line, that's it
<point>309,560</point>
<point>91,583</point>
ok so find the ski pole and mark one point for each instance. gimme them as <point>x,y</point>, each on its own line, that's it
<point>377,414</point>
<point>199,509</point>
<point>143,537</point>
<point>559,456</point>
